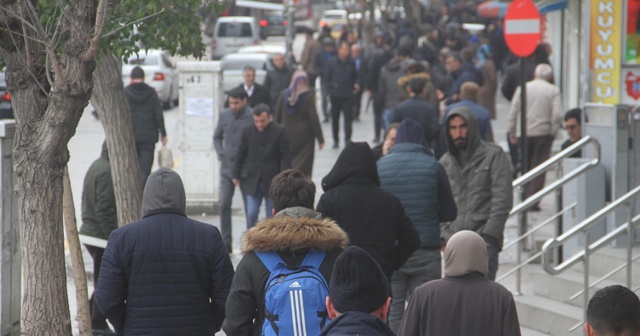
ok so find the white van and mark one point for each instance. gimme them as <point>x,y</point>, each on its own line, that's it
<point>233,32</point>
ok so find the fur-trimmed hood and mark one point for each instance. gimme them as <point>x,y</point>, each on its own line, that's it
<point>285,233</point>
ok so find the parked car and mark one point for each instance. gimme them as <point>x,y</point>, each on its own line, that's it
<point>6,111</point>
<point>273,24</point>
<point>332,17</point>
<point>263,49</point>
<point>160,73</point>
<point>233,64</point>
<point>233,32</point>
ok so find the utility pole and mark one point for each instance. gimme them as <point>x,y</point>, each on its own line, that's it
<point>290,30</point>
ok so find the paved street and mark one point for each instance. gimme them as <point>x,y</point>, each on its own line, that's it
<point>85,148</point>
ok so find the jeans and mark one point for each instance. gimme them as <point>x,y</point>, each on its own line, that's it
<point>253,205</point>
<point>423,266</point>
<point>145,158</point>
<point>226,196</point>
<point>98,321</point>
<point>344,104</point>
<point>492,253</point>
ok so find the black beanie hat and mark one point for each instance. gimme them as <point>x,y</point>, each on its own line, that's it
<point>357,282</point>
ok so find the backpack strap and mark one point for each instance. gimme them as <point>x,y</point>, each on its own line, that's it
<point>313,259</point>
<point>270,260</point>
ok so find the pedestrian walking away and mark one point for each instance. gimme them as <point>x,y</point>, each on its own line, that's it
<point>294,231</point>
<point>296,112</point>
<point>99,218</point>
<point>411,173</point>
<point>464,302</point>
<point>264,151</point>
<point>147,118</point>
<point>374,218</point>
<point>165,274</point>
<point>358,298</point>
<point>227,136</point>
<point>320,62</point>
<point>613,310</point>
<point>278,78</point>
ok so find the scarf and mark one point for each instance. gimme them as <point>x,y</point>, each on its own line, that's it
<point>298,88</point>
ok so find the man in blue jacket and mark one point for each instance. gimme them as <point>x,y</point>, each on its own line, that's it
<point>411,173</point>
<point>165,274</point>
<point>320,65</point>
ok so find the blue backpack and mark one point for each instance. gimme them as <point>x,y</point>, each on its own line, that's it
<point>294,298</point>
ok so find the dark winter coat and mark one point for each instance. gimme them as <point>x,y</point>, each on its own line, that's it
<point>388,83</point>
<point>290,233</point>
<point>481,185</point>
<point>260,95</point>
<point>227,137</point>
<point>412,174</point>
<point>421,112</point>
<point>146,113</point>
<point>265,154</point>
<point>357,323</point>
<point>374,219</point>
<point>276,81</point>
<point>512,79</point>
<point>165,274</point>
<point>99,216</point>
<point>341,76</point>
<point>320,63</point>
<point>467,73</point>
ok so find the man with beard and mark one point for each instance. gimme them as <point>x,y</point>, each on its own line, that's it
<point>480,175</point>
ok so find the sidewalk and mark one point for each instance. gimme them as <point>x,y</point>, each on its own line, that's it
<point>85,147</point>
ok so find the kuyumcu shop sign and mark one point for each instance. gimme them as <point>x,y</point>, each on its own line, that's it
<point>605,48</point>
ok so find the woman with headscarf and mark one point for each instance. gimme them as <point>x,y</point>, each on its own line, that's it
<point>487,92</point>
<point>464,302</point>
<point>296,112</point>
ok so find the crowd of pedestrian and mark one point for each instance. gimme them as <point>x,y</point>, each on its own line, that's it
<point>367,259</point>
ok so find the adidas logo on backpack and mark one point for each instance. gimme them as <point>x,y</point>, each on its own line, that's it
<point>294,298</point>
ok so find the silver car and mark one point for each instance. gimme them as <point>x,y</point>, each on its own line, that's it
<point>232,33</point>
<point>160,73</point>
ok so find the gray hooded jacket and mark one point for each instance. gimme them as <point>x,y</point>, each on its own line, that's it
<point>481,184</point>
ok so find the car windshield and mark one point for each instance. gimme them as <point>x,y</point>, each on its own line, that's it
<point>141,59</point>
<point>234,29</point>
<point>239,64</point>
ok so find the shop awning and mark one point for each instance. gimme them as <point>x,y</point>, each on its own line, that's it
<point>546,6</point>
<point>260,5</point>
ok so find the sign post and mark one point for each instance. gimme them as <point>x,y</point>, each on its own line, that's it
<point>522,34</point>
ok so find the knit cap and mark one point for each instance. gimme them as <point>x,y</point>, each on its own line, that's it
<point>357,282</point>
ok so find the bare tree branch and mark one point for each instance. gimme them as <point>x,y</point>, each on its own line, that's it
<point>50,49</point>
<point>97,33</point>
<point>18,16</point>
<point>113,32</point>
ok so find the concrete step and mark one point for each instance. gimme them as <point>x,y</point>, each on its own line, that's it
<point>608,258</point>
<point>564,285</point>
<point>548,316</point>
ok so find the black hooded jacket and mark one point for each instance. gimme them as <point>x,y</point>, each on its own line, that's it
<point>373,218</point>
<point>165,274</point>
<point>357,323</point>
<point>146,113</point>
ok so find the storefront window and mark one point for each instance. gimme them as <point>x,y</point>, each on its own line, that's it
<point>632,52</point>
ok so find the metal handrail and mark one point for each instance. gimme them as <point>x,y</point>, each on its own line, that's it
<point>603,278</point>
<point>584,225</point>
<point>550,163</point>
<point>627,228</point>
<point>554,186</point>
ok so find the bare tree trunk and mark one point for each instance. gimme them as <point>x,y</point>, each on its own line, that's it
<point>77,262</point>
<point>111,102</point>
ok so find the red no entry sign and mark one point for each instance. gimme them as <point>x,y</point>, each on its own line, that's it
<point>522,27</point>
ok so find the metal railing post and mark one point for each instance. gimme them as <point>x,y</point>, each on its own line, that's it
<point>585,298</point>
<point>630,241</point>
